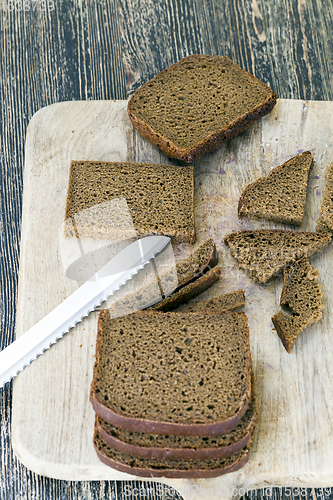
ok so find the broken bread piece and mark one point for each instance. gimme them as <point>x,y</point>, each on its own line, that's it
<point>280,196</point>
<point>196,104</point>
<point>302,296</point>
<point>265,252</point>
<point>325,220</point>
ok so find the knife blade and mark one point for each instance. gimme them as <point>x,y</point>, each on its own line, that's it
<point>20,353</point>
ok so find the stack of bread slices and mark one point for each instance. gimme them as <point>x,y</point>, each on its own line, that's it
<point>174,392</point>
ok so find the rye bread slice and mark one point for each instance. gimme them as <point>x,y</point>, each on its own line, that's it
<point>202,259</point>
<point>193,106</point>
<point>159,197</point>
<point>203,360</point>
<point>144,292</point>
<point>161,447</point>
<point>280,196</point>
<point>188,292</point>
<point>325,220</point>
<point>302,296</point>
<point>265,252</point>
<point>150,467</point>
<point>226,302</point>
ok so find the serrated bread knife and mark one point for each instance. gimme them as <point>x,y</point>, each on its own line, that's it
<point>72,310</point>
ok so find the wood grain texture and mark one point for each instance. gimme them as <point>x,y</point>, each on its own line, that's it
<point>105,50</point>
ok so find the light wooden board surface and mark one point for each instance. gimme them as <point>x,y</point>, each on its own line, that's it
<point>52,418</point>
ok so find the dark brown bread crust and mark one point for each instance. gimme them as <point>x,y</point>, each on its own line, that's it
<point>196,448</point>
<point>168,468</point>
<point>139,424</point>
<point>213,140</point>
<point>289,208</point>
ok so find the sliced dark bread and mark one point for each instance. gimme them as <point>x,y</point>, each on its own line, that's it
<point>143,293</point>
<point>265,252</point>
<point>280,196</point>
<point>159,197</point>
<point>193,106</point>
<point>150,467</point>
<point>226,302</point>
<point>188,292</point>
<point>202,259</point>
<point>172,373</point>
<point>325,220</point>
<point>163,447</point>
<point>302,298</point>
<point>189,270</point>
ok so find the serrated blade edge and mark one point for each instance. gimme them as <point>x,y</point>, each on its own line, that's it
<point>34,342</point>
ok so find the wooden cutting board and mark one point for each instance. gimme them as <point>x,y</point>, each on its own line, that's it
<point>52,417</point>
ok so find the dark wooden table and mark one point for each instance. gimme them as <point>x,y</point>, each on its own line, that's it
<point>52,51</point>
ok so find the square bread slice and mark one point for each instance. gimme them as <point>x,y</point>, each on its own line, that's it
<point>193,106</point>
<point>280,196</point>
<point>159,197</point>
<point>172,373</point>
<point>302,297</point>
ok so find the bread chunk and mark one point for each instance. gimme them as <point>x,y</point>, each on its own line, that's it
<point>193,106</point>
<point>280,196</point>
<point>159,197</point>
<point>302,295</point>
<point>265,252</point>
<point>325,220</point>
<point>203,360</point>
